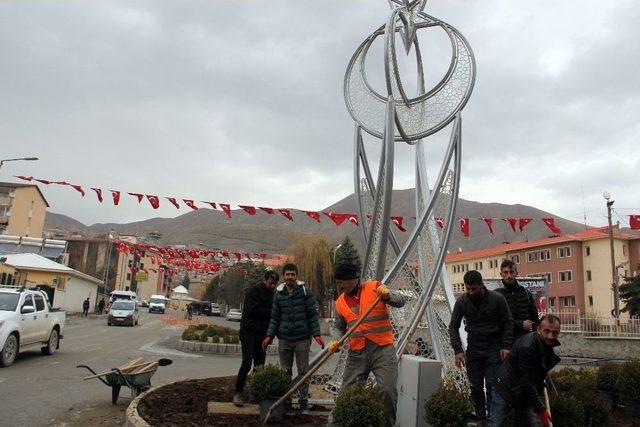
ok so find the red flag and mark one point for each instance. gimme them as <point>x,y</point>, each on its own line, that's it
<point>225,254</point>
<point>551,223</point>
<point>397,220</point>
<point>26,178</point>
<point>267,210</point>
<point>238,255</point>
<point>248,255</point>
<point>212,204</point>
<point>173,202</point>
<point>226,208</point>
<point>154,200</point>
<point>464,226</point>
<point>43,181</point>
<point>440,222</point>
<point>251,210</point>
<point>286,213</point>
<point>522,223</point>
<point>76,187</point>
<point>634,222</point>
<point>98,193</point>
<point>489,222</point>
<point>261,255</point>
<point>312,214</point>
<point>193,253</point>
<point>190,203</point>
<point>116,197</point>
<point>138,195</point>
<point>512,223</point>
<point>337,218</point>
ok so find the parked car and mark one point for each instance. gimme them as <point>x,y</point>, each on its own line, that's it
<point>27,321</point>
<point>123,312</point>
<point>201,308</point>
<point>158,303</point>
<point>215,309</point>
<point>234,314</point>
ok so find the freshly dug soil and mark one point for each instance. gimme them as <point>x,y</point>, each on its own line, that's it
<point>185,404</point>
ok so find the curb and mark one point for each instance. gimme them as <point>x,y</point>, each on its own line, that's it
<point>133,418</point>
<point>217,348</point>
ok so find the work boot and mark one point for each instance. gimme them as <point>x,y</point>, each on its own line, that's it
<point>237,399</point>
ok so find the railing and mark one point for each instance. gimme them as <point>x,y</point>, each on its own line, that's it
<point>598,325</point>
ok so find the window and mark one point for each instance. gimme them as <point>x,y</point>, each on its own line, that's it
<point>477,265</point>
<point>28,300</point>
<point>568,301</point>
<point>552,301</point>
<point>590,301</point>
<point>515,258</point>
<point>588,275</point>
<point>128,276</point>
<point>587,250</point>
<point>541,255</point>
<point>564,252</point>
<point>547,276</point>
<point>3,278</point>
<point>565,276</point>
<point>39,302</point>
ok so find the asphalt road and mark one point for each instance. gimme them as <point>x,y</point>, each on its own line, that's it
<point>42,390</point>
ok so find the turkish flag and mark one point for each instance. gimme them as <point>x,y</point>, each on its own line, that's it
<point>154,200</point>
<point>262,255</point>
<point>248,255</point>
<point>116,197</point>
<point>312,214</point>
<point>238,256</point>
<point>286,213</point>
<point>193,253</point>
<point>267,210</point>
<point>212,204</point>
<point>138,195</point>
<point>43,181</point>
<point>551,223</point>
<point>397,220</point>
<point>353,218</point>
<point>489,222</point>
<point>512,223</point>
<point>634,222</point>
<point>440,222</point>
<point>78,188</point>
<point>225,254</point>
<point>464,226</point>
<point>173,202</point>
<point>98,193</point>
<point>251,210</point>
<point>190,203</point>
<point>523,222</point>
<point>337,218</point>
<point>226,208</point>
<point>26,178</point>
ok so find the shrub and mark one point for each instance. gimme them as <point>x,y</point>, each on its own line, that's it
<point>215,339</point>
<point>203,337</point>
<point>269,381</point>
<point>629,380</point>
<point>607,377</point>
<point>567,411</point>
<point>233,339</point>
<point>210,331</point>
<point>448,406</point>
<point>189,335</point>
<point>578,402</point>
<point>360,405</point>
<point>201,326</point>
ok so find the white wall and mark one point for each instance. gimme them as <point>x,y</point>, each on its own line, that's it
<point>76,291</point>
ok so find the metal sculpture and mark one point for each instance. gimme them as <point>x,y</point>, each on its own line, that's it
<point>414,268</point>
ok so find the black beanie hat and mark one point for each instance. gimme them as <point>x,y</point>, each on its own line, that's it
<point>346,272</point>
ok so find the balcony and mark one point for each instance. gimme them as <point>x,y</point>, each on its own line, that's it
<point>5,201</point>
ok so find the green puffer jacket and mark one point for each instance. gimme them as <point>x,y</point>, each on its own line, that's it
<point>294,316</point>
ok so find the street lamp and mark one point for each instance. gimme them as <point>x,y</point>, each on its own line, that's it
<point>15,160</point>
<point>614,270</point>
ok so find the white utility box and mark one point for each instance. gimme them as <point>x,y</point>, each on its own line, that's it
<point>417,379</point>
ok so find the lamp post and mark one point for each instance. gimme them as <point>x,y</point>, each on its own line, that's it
<point>17,159</point>
<point>614,270</point>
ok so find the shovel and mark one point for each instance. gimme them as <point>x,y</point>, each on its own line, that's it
<point>318,361</point>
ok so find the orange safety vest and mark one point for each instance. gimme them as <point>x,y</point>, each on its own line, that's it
<point>376,327</point>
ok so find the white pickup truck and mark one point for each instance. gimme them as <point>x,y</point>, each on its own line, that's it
<point>27,322</point>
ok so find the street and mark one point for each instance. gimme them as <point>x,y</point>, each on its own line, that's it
<point>42,390</point>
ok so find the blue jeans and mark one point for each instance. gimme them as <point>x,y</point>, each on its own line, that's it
<point>500,409</point>
<point>481,368</point>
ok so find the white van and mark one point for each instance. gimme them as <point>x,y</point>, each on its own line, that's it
<point>125,295</point>
<point>157,303</point>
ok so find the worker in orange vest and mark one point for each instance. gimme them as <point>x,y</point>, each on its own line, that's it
<point>371,345</point>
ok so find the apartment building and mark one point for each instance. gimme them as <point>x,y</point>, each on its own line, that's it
<point>577,266</point>
<point>22,209</point>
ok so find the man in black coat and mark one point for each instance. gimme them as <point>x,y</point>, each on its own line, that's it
<point>519,381</point>
<point>489,326</point>
<point>521,303</point>
<point>256,314</point>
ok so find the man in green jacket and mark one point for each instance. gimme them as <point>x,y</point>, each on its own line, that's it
<point>294,320</point>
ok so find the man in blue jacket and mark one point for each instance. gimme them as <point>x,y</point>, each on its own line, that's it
<point>294,320</point>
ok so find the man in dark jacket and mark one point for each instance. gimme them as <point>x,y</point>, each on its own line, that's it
<point>256,313</point>
<point>294,320</point>
<point>489,326</point>
<point>85,307</point>
<point>521,302</point>
<point>519,381</point>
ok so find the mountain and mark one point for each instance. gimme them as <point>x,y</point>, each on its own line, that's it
<point>274,233</point>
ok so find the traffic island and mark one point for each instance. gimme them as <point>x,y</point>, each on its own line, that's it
<point>204,402</point>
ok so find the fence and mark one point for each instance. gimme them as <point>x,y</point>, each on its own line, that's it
<point>598,325</point>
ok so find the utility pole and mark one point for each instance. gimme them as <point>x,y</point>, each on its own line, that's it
<point>614,270</point>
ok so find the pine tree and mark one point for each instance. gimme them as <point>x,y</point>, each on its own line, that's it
<point>347,254</point>
<point>185,281</point>
<point>630,295</point>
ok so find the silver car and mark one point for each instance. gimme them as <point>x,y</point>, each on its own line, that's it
<point>234,314</point>
<point>123,312</point>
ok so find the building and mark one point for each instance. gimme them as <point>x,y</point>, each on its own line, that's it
<point>95,256</point>
<point>22,209</point>
<point>143,272</point>
<point>66,287</point>
<point>577,266</point>
<point>48,248</point>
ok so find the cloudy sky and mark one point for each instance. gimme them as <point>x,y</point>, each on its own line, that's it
<point>241,101</point>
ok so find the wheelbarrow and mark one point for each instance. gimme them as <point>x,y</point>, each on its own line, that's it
<point>135,374</point>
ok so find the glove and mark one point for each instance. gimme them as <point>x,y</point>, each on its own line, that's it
<point>382,292</point>
<point>319,340</point>
<point>334,347</point>
<point>545,417</point>
<point>267,341</point>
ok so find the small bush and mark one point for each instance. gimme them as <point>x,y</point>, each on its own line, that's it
<point>201,326</point>
<point>215,339</point>
<point>448,406</point>
<point>269,381</point>
<point>360,405</point>
<point>629,380</point>
<point>567,411</point>
<point>189,335</point>
<point>233,339</point>
<point>578,402</point>
<point>203,337</point>
<point>608,376</point>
